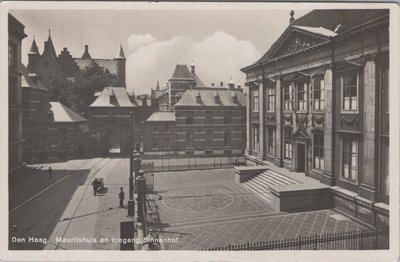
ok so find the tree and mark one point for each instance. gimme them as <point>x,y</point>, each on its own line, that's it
<point>86,83</point>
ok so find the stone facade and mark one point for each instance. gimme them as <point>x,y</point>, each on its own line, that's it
<point>15,140</point>
<point>317,103</point>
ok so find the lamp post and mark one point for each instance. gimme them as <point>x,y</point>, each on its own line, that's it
<point>131,201</point>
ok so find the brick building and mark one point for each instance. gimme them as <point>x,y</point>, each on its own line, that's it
<point>15,142</point>
<point>110,119</point>
<point>318,104</point>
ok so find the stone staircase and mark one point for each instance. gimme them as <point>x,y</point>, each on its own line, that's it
<point>261,183</point>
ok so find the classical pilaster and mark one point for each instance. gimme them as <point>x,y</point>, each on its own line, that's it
<point>367,172</point>
<point>328,176</point>
<point>248,106</point>
<point>261,120</point>
<point>278,107</point>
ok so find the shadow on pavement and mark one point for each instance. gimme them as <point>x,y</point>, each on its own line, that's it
<point>37,202</point>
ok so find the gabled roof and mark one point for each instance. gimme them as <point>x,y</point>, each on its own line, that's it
<point>28,82</point>
<point>62,113</point>
<point>226,98</point>
<point>162,116</point>
<point>182,72</point>
<point>112,97</point>
<point>34,50</point>
<point>324,24</point>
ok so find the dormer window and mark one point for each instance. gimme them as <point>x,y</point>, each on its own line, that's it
<point>113,100</point>
<point>234,98</point>
<point>198,98</point>
<point>216,98</point>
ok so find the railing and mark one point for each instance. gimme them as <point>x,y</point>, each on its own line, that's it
<point>368,239</point>
<point>191,163</point>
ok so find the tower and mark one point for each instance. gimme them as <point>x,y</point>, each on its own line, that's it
<point>121,67</point>
<point>33,56</point>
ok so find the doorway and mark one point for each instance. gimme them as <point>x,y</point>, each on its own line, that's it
<point>301,157</point>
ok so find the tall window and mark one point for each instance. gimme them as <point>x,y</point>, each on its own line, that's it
<point>384,169</point>
<point>209,117</point>
<point>287,97</point>
<point>189,120</point>
<point>271,141</point>
<point>12,90</point>
<point>319,94</point>
<point>318,151</point>
<point>227,118</point>
<point>301,88</point>
<point>167,128</point>
<point>255,100</point>
<point>271,99</point>
<point>155,128</point>
<point>209,138</point>
<point>167,142</point>
<point>154,146</point>
<point>349,161</point>
<point>350,91</point>
<point>189,139</point>
<point>227,138</point>
<point>256,138</point>
<point>385,87</point>
<point>288,144</point>
<point>12,55</point>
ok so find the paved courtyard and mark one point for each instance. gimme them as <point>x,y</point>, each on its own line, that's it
<point>205,209</point>
<point>201,209</point>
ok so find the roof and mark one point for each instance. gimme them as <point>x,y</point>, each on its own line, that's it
<point>226,98</point>
<point>120,53</point>
<point>62,113</point>
<point>156,93</point>
<point>317,30</point>
<point>182,72</point>
<point>28,82</point>
<point>347,18</point>
<point>34,50</point>
<point>162,116</point>
<point>326,23</point>
<point>109,64</point>
<point>105,98</point>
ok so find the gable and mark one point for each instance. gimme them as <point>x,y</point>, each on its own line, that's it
<point>295,40</point>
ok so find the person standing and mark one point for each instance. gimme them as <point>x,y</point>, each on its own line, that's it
<point>95,185</point>
<point>50,171</point>
<point>121,197</point>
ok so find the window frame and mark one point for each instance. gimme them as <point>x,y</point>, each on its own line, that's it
<point>271,96</point>
<point>255,100</point>
<point>342,102</point>
<point>304,93</point>
<point>319,147</point>
<point>287,104</point>
<point>270,147</point>
<point>350,159</point>
<point>290,146</point>
<point>321,90</point>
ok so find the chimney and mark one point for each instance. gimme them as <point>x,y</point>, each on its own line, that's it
<point>231,84</point>
<point>87,48</point>
<point>222,83</point>
<point>291,20</point>
<point>86,54</point>
<point>192,68</point>
<point>212,84</point>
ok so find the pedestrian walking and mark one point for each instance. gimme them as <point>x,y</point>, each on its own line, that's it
<point>95,185</point>
<point>50,171</point>
<point>121,197</point>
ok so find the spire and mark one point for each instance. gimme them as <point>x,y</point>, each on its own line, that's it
<point>120,54</point>
<point>86,54</point>
<point>34,48</point>
<point>158,85</point>
<point>48,46</point>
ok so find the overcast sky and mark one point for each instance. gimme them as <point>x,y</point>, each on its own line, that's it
<point>220,42</point>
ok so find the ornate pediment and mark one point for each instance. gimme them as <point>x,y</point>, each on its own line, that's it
<point>301,134</point>
<point>296,41</point>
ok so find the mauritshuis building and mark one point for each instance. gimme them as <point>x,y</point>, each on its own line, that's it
<point>318,103</point>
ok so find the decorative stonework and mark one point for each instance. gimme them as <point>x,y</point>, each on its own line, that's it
<point>255,117</point>
<point>318,120</point>
<point>270,118</point>
<point>349,120</point>
<point>302,120</point>
<point>296,41</point>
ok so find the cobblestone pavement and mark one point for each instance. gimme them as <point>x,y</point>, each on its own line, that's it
<point>205,209</point>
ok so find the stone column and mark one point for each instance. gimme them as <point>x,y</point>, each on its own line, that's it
<point>328,176</point>
<point>248,116</point>
<point>261,120</point>
<point>367,171</point>
<point>278,137</point>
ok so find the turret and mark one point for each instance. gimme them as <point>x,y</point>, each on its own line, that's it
<point>49,47</point>
<point>33,56</point>
<point>86,54</point>
<point>121,67</point>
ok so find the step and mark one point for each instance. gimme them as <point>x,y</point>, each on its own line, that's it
<point>272,180</point>
<point>264,195</point>
<point>263,182</point>
<point>286,180</point>
<point>271,172</point>
<point>259,187</point>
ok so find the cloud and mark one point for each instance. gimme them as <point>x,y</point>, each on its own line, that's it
<point>217,57</point>
<point>135,41</point>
